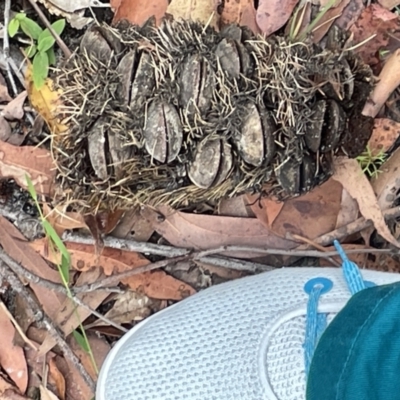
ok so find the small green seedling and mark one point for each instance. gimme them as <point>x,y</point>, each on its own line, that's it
<point>41,44</point>
<point>370,161</point>
<point>56,245</point>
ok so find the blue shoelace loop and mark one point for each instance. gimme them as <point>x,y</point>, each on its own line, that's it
<point>316,322</point>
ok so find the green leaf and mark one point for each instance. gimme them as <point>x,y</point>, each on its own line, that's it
<point>46,43</point>
<point>81,341</point>
<point>31,50</point>
<point>31,188</point>
<point>52,56</point>
<point>21,16</point>
<point>40,69</point>
<point>30,28</point>
<point>13,27</point>
<point>59,26</point>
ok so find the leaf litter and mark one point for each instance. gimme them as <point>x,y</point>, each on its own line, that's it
<point>241,221</point>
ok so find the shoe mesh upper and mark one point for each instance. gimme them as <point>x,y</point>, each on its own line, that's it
<point>208,346</point>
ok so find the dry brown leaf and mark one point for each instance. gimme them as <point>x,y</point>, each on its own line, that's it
<point>12,358</point>
<point>201,231</point>
<point>16,162</point>
<point>310,215</point>
<point>389,80</point>
<point>328,20</point>
<point>12,394</point>
<point>348,210</point>
<point>350,14</point>
<point>4,96</point>
<point>129,307</point>
<point>348,172</point>
<point>15,108</point>
<point>385,133</point>
<point>5,129</point>
<point>204,11</point>
<point>374,20</point>
<point>273,14</point>
<point>100,349</point>
<point>132,225</point>
<point>62,220</point>
<point>45,394</point>
<point>241,12</point>
<point>237,206</point>
<point>137,11</point>
<point>66,318</point>
<point>4,385</point>
<point>57,377</point>
<point>386,184</point>
<point>16,246</point>
<point>389,4</point>
<point>265,209</point>
<point>159,285</point>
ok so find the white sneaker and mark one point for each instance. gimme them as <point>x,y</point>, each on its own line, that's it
<point>241,340</point>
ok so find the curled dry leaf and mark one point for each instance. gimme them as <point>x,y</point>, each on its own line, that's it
<point>17,162</point>
<point>386,184</point>
<point>237,206</point>
<point>389,80</point>
<point>350,14</point>
<point>15,108</point>
<point>137,11</point>
<point>374,20</point>
<point>273,14</point>
<point>12,358</point>
<point>348,172</point>
<point>204,11</point>
<point>46,394</point>
<point>384,135</point>
<point>240,12</point>
<point>348,210</point>
<point>57,378</point>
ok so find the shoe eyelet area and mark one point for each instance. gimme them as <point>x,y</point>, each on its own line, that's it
<point>324,284</point>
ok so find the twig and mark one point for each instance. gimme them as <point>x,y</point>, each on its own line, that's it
<point>60,42</point>
<point>33,278</point>
<point>6,45</point>
<point>354,227</point>
<point>18,328</point>
<point>41,317</point>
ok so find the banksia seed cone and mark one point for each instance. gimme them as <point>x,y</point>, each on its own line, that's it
<point>181,114</point>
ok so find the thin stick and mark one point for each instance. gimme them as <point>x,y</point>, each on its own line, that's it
<point>6,45</point>
<point>41,317</point>
<point>60,42</point>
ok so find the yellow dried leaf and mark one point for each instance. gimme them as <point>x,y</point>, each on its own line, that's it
<point>46,101</point>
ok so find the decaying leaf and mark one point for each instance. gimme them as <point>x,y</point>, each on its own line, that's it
<point>265,209</point>
<point>349,173</point>
<point>310,215</point>
<point>57,377</point>
<point>46,394</point>
<point>373,23</point>
<point>348,210</point>
<point>137,11</point>
<point>237,206</point>
<point>273,14</point>
<point>389,4</point>
<point>240,12</point>
<point>384,135</point>
<point>5,129</point>
<point>203,11</point>
<point>17,162</point>
<point>12,358</point>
